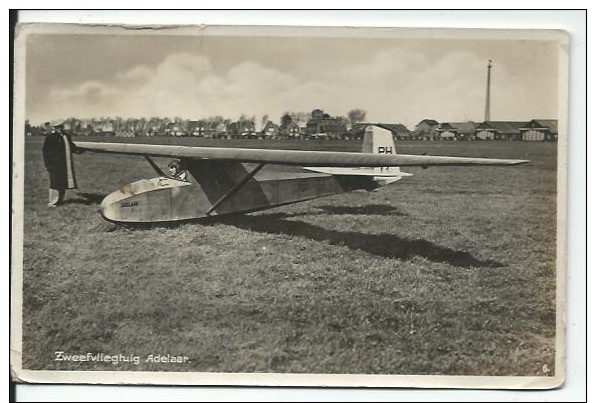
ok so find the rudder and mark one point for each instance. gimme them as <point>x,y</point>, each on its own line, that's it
<point>378,141</point>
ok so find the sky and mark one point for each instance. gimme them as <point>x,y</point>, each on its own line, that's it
<point>395,78</point>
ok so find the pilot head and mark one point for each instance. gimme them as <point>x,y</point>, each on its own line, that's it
<point>174,167</point>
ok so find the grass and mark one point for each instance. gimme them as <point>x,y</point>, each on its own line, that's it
<point>448,272</point>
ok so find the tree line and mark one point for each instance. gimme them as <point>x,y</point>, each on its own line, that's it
<point>165,125</point>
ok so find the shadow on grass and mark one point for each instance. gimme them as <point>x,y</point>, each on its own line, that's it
<point>375,209</point>
<point>384,245</point>
<point>86,199</point>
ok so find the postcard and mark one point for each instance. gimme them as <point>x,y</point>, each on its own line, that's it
<point>289,206</point>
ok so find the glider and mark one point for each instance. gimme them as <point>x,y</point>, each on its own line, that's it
<point>226,181</point>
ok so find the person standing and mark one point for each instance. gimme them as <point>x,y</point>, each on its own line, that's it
<point>57,156</point>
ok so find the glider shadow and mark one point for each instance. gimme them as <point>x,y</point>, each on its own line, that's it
<point>384,245</point>
<point>375,209</point>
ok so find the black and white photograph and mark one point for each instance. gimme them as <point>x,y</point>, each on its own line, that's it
<point>289,206</point>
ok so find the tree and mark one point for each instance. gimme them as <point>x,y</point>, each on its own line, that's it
<point>342,120</point>
<point>300,117</point>
<point>264,120</point>
<point>356,115</point>
<point>286,119</point>
<point>217,119</point>
<point>317,114</point>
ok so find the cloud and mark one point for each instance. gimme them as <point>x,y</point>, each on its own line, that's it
<point>136,75</point>
<point>406,85</point>
<point>186,85</point>
<point>88,92</point>
<point>79,100</point>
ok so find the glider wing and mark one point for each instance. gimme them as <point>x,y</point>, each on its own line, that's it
<point>289,157</point>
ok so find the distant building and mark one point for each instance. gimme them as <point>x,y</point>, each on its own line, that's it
<point>291,131</point>
<point>332,127</point>
<point>465,130</point>
<point>248,131</point>
<point>302,131</point>
<point>192,128</point>
<point>540,130</point>
<point>270,131</point>
<point>85,128</point>
<point>209,129</point>
<point>445,131</point>
<point>499,130</point>
<point>398,130</point>
<point>131,127</point>
<point>425,129</point>
<point>203,129</point>
<point>221,131</point>
<point>155,127</point>
<point>175,129</point>
<point>107,128</point>
<point>356,132</point>
<point>241,129</point>
<point>321,125</point>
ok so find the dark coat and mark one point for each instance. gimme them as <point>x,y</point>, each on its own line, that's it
<point>57,157</point>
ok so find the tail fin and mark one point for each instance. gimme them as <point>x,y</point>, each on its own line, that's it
<point>376,141</point>
<point>379,141</point>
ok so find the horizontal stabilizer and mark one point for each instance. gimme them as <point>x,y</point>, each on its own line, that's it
<point>289,157</point>
<point>391,172</point>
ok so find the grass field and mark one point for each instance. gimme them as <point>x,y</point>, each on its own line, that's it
<point>450,272</point>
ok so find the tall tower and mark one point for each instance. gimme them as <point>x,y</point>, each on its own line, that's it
<point>487,107</point>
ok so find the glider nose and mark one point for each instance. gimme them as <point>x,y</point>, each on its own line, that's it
<point>111,206</point>
<point>106,208</point>
<point>102,208</point>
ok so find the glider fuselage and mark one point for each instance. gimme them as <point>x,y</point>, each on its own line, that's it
<point>217,189</point>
